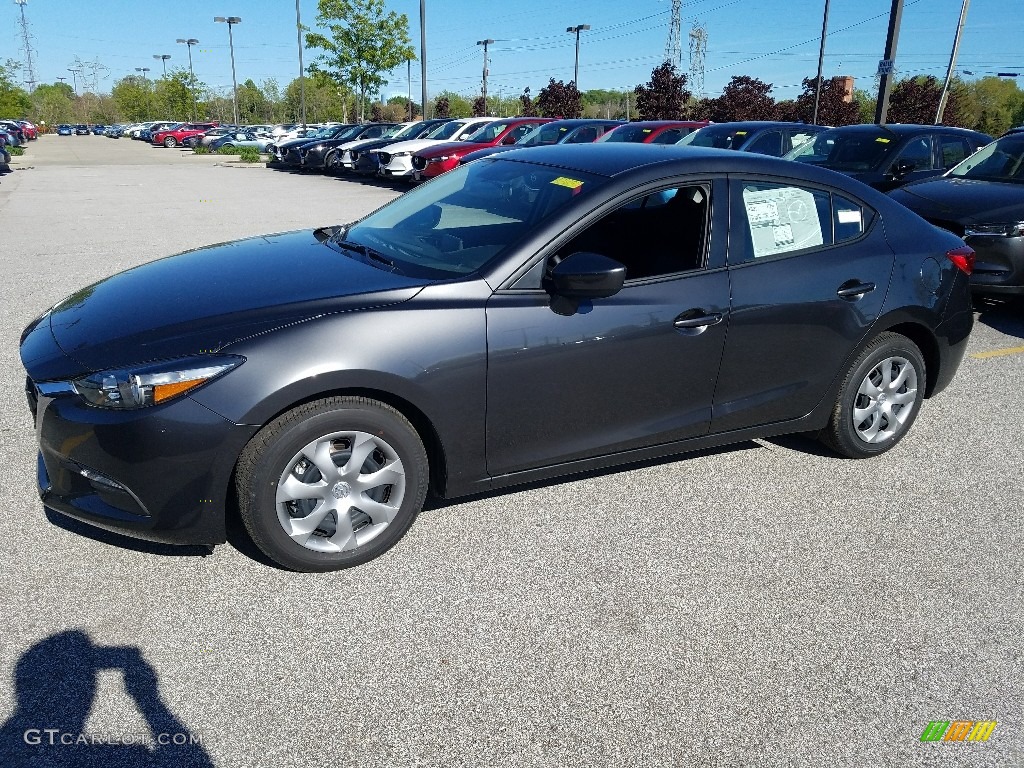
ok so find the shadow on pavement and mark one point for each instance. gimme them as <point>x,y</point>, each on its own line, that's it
<point>55,682</point>
<point>1004,314</point>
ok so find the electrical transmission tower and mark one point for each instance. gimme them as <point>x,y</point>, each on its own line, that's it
<point>30,67</point>
<point>673,47</point>
<point>698,47</point>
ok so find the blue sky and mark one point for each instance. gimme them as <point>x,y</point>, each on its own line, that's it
<point>774,40</point>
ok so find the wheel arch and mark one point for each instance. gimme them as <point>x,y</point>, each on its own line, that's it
<point>925,341</point>
<point>436,457</point>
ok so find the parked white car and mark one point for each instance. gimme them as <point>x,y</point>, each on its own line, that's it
<point>396,160</point>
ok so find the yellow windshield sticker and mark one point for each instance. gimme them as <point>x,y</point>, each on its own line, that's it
<point>564,181</point>
<point>883,140</point>
<point>647,130</point>
<point>741,133</point>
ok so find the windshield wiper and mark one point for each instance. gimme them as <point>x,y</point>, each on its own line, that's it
<point>370,255</point>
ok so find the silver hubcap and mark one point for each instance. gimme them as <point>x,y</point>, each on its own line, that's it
<point>885,400</point>
<point>340,491</point>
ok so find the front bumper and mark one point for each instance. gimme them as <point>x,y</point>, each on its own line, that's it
<point>161,473</point>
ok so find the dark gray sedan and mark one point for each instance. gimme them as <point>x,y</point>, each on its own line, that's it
<point>541,313</point>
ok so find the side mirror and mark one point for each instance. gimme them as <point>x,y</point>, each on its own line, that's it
<point>901,169</point>
<point>585,275</point>
<point>510,139</point>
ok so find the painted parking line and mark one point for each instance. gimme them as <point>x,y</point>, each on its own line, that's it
<point>998,353</point>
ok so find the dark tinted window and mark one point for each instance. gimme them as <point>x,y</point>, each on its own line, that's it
<point>917,153</point>
<point>655,234</point>
<point>769,143</point>
<point>953,149</point>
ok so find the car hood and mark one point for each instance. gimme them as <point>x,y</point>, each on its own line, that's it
<point>414,145</point>
<point>968,201</point>
<point>203,300</point>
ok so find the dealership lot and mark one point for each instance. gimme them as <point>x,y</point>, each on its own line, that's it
<point>764,604</point>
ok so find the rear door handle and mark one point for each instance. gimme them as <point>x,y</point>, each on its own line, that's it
<point>697,318</point>
<point>853,289</point>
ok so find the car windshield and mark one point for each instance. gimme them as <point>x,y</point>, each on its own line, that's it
<point>632,133</point>
<point>841,150</point>
<point>403,131</point>
<point>487,133</point>
<point>466,218</point>
<point>1002,160</point>
<point>446,130</point>
<point>545,133</point>
<point>718,137</point>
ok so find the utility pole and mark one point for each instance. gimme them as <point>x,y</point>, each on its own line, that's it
<point>887,65</point>
<point>302,72</point>
<point>485,43</point>
<point>576,30</point>
<point>821,63</point>
<point>408,81</point>
<point>231,21</point>
<point>423,57</point>
<point>74,74</point>
<point>952,63</point>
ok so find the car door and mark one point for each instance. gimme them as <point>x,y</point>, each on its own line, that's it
<point>631,370</point>
<point>809,269</point>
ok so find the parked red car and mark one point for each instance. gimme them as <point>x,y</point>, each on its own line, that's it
<point>29,129</point>
<point>437,159</point>
<point>172,137</point>
<point>654,131</point>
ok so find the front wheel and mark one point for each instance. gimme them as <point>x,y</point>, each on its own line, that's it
<point>879,398</point>
<point>332,484</point>
<point>170,141</point>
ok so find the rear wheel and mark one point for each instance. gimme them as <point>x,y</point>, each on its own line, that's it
<point>879,399</point>
<point>332,483</point>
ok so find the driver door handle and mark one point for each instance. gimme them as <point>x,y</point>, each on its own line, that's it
<point>854,289</point>
<point>697,318</point>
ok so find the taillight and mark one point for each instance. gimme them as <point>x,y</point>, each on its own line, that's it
<point>963,258</point>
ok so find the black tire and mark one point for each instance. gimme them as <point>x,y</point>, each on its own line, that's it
<point>329,161</point>
<point>882,420</point>
<point>275,454</point>
<point>170,141</point>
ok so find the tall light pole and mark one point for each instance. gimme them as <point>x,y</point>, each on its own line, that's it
<point>302,72</point>
<point>143,70</point>
<point>230,21</point>
<point>74,74</point>
<point>485,43</point>
<point>821,64</point>
<point>952,62</point>
<point>192,75</point>
<point>163,57</point>
<point>423,57</point>
<point>576,30</point>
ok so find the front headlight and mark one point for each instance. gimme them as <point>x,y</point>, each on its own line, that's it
<point>151,384</point>
<point>441,159</point>
<point>400,154</point>
<point>1012,229</point>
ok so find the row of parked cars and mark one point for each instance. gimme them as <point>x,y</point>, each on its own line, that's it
<point>958,179</point>
<point>14,133</point>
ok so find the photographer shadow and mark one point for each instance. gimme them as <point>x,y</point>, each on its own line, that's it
<point>55,682</point>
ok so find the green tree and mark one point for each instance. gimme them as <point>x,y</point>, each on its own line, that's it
<point>326,99</point>
<point>173,95</point>
<point>458,106</point>
<point>252,104</point>
<point>14,101</point>
<point>133,96</point>
<point>364,42</point>
<point>998,102</point>
<point>53,103</point>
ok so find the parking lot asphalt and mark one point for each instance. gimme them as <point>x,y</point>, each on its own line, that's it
<point>767,604</point>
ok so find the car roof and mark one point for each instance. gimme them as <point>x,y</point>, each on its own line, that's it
<point>758,124</point>
<point>621,159</point>
<point>901,129</point>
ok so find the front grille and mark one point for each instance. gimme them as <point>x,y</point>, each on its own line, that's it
<point>419,163</point>
<point>293,156</point>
